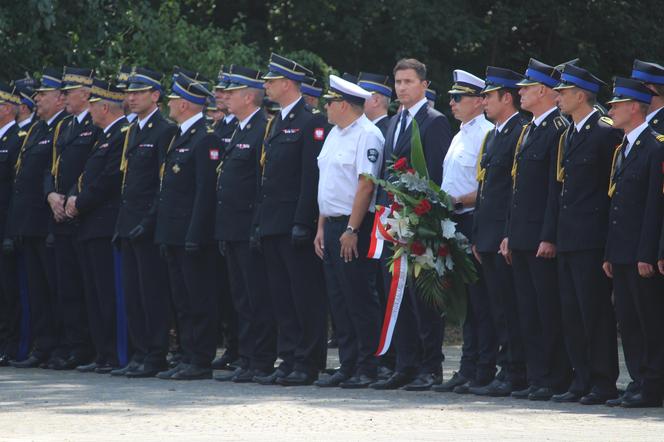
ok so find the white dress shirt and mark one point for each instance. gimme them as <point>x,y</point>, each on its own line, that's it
<point>141,123</point>
<point>190,122</point>
<point>633,135</point>
<point>412,111</point>
<point>580,124</point>
<point>244,122</point>
<point>286,109</point>
<point>6,127</point>
<point>23,123</point>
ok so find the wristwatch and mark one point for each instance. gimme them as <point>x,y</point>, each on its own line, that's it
<point>458,206</point>
<point>350,229</point>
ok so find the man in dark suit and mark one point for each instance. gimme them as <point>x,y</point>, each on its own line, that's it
<point>10,144</point>
<point>531,235</point>
<point>501,105</point>
<point>29,216</point>
<point>419,330</point>
<point>185,228</point>
<point>94,201</point>
<point>584,166</point>
<point>631,248</point>
<point>70,153</point>
<point>285,222</point>
<point>236,196</point>
<point>146,291</point>
<point>652,75</point>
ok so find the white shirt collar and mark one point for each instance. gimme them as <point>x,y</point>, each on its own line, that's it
<point>502,126</point>
<point>244,122</point>
<point>286,109</point>
<point>190,122</point>
<point>358,120</point>
<point>635,133</point>
<point>378,119</point>
<point>113,123</point>
<point>5,128</point>
<point>652,114</point>
<point>131,117</point>
<point>580,124</point>
<point>81,116</point>
<point>414,109</point>
<point>537,121</point>
<point>228,118</point>
<point>469,124</point>
<point>141,123</point>
<point>50,120</point>
<point>23,123</point>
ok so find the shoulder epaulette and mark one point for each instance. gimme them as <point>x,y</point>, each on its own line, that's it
<point>560,122</point>
<point>606,120</point>
<point>660,138</point>
<point>125,128</point>
<point>22,133</point>
<point>315,111</point>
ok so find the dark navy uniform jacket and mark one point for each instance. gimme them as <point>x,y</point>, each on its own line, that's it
<point>636,205</point>
<point>225,130</point>
<point>533,216</point>
<point>585,165</point>
<point>186,204</point>
<point>657,122</point>
<point>10,144</point>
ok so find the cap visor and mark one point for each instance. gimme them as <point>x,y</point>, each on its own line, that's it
<point>94,99</point>
<point>527,82</point>
<point>272,76</point>
<point>619,100</point>
<point>138,88</point>
<point>564,86</point>
<point>491,89</point>
<point>46,89</point>
<point>235,86</point>
<point>174,96</point>
<point>69,87</point>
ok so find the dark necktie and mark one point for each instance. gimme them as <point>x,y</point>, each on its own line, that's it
<point>404,121</point>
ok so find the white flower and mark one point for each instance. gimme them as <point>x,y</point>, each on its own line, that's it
<point>426,260</point>
<point>449,228</point>
<point>398,226</point>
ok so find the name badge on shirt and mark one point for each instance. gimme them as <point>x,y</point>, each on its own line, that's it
<point>104,146</point>
<point>85,134</point>
<point>291,131</point>
<point>146,145</point>
<point>46,141</point>
<point>243,146</point>
<point>182,149</point>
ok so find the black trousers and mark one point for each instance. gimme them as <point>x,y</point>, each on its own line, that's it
<point>536,284</point>
<point>228,324</point>
<point>10,306</point>
<point>72,315</point>
<point>504,309</point>
<point>147,301</point>
<point>296,280</point>
<point>42,296</point>
<point>353,301</point>
<point>639,308</point>
<point>99,278</point>
<point>195,288</point>
<point>589,323</point>
<point>253,306</point>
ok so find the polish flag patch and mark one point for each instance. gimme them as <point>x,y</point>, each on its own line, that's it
<point>214,154</point>
<point>319,134</point>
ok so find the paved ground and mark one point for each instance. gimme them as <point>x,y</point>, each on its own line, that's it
<point>46,405</point>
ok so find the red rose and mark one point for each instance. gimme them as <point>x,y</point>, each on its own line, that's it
<point>443,251</point>
<point>418,248</point>
<point>422,208</point>
<point>401,164</point>
<point>410,170</point>
<point>390,196</point>
<point>395,207</point>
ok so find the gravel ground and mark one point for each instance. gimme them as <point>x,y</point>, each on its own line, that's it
<point>45,405</point>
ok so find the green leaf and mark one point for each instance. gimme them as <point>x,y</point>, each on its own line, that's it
<point>417,159</point>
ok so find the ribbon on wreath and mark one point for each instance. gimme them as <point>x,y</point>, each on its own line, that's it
<point>379,235</point>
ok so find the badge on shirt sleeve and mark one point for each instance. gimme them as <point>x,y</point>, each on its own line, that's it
<point>319,134</point>
<point>214,154</point>
<point>372,155</point>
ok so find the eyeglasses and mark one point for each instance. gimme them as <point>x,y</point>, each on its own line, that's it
<point>458,97</point>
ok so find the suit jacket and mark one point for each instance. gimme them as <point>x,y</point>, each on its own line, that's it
<point>289,185</point>
<point>493,194</point>
<point>71,151</point>
<point>435,135</point>
<point>144,150</point>
<point>225,130</point>
<point>383,124</point>
<point>660,255</point>
<point>238,181</point>
<point>186,205</point>
<point>532,216</point>
<point>583,205</point>
<point>30,213</point>
<point>10,144</point>
<point>636,206</point>
<point>98,187</point>
<point>657,122</point>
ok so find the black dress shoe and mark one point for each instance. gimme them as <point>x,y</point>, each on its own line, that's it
<point>87,368</point>
<point>142,371</point>
<point>126,369</point>
<point>192,373</point>
<point>617,402</point>
<point>566,397</point>
<point>296,378</point>
<point>465,388</point>
<point>245,376</point>
<point>104,368</point>
<point>593,398</point>
<point>57,363</point>
<point>271,378</point>
<point>332,381</point>
<point>639,401</point>
<point>356,382</point>
<point>541,394</point>
<point>384,372</point>
<point>31,362</point>
<point>224,362</point>
<point>168,374</point>
<point>423,382</point>
<point>446,387</point>
<point>227,377</point>
<point>483,390</point>
<point>523,394</point>
<point>496,388</point>
<point>397,380</point>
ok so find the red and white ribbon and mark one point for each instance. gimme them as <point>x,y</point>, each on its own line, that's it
<point>395,296</point>
<point>377,236</point>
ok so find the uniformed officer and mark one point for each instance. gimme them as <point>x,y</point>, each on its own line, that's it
<point>212,112</point>
<point>660,255</point>
<point>346,200</point>
<point>26,110</point>
<point>584,166</point>
<point>530,244</point>
<point>237,182</point>
<point>122,83</point>
<point>630,257</point>
<point>29,216</point>
<point>146,291</point>
<point>419,330</point>
<point>94,201</point>
<point>225,127</point>
<point>432,96</point>
<point>652,75</point>
<point>70,152</point>
<point>286,223</point>
<point>185,227</point>
<point>478,355</point>
<point>10,143</point>
<point>375,108</point>
<point>312,90</point>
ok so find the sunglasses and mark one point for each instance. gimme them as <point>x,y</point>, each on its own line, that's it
<point>458,97</point>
